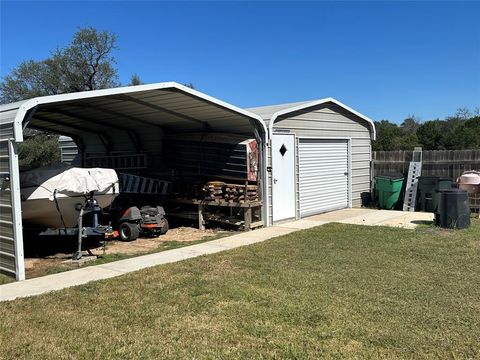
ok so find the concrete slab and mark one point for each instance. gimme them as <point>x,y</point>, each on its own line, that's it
<point>54,282</point>
<point>338,215</point>
<point>145,261</point>
<point>409,220</point>
<point>302,224</point>
<point>253,237</point>
<point>373,217</point>
<point>82,261</point>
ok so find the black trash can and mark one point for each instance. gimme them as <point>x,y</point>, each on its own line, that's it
<point>453,209</point>
<point>428,192</point>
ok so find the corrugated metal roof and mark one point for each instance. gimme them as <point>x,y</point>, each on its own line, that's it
<point>270,113</point>
<point>10,106</point>
<point>170,106</point>
<point>8,113</point>
<point>266,112</point>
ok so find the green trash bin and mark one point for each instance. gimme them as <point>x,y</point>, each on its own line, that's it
<point>388,188</point>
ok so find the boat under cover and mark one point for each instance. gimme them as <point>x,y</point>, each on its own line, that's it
<point>51,195</point>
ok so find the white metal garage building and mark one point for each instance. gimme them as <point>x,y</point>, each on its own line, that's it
<point>314,156</point>
<point>319,156</point>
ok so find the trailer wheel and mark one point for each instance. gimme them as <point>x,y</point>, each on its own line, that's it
<point>128,231</point>
<point>164,228</point>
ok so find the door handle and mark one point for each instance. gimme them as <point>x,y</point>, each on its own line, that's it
<point>345,173</point>
<point>274,181</point>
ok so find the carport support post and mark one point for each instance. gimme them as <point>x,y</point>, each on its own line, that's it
<point>16,210</point>
<point>247,217</point>
<point>201,221</point>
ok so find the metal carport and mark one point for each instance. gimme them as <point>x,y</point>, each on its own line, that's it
<point>111,121</point>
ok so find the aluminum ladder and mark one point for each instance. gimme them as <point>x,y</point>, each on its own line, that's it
<point>414,171</point>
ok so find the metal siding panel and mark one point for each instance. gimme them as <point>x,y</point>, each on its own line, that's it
<point>328,123</point>
<point>322,183</point>
<point>152,140</point>
<point>68,149</point>
<point>7,245</point>
<point>6,124</point>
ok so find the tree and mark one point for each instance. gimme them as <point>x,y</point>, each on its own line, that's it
<point>135,80</point>
<point>387,133</point>
<point>39,150</point>
<point>461,131</point>
<point>85,64</point>
<point>410,125</point>
<point>467,136</point>
<point>432,135</point>
<point>463,113</point>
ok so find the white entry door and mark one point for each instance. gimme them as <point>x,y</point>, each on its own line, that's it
<point>323,175</point>
<point>283,176</point>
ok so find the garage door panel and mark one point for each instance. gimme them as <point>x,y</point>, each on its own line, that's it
<point>313,181</point>
<point>326,197</point>
<point>323,175</point>
<point>325,161</point>
<point>326,168</point>
<point>325,206</point>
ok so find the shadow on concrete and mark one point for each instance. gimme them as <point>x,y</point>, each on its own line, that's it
<point>422,222</point>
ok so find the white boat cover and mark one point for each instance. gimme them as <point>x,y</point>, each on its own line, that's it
<point>66,180</point>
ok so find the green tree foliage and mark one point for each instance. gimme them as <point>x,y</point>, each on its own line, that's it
<point>467,136</point>
<point>39,150</point>
<point>135,80</point>
<point>387,133</point>
<point>461,131</point>
<point>85,64</point>
<point>410,125</point>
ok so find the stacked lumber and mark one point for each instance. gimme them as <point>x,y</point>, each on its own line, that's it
<point>240,193</point>
<point>213,191</point>
<point>220,191</point>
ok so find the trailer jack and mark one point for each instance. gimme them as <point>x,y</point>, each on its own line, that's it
<point>90,207</point>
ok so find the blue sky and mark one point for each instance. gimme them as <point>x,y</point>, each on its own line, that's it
<point>385,59</point>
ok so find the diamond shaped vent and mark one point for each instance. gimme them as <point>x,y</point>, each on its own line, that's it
<point>283,149</point>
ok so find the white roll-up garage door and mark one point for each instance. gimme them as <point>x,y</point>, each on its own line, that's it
<point>323,175</point>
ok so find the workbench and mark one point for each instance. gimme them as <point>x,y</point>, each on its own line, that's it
<point>247,207</point>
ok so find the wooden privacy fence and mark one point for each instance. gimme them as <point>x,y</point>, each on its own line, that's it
<point>445,163</point>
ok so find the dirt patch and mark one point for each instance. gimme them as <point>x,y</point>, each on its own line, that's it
<point>54,261</point>
<point>143,245</point>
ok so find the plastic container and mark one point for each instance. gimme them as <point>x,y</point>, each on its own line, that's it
<point>453,209</point>
<point>470,182</point>
<point>389,188</point>
<point>428,192</point>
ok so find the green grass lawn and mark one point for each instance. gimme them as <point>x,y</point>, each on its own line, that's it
<point>336,291</point>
